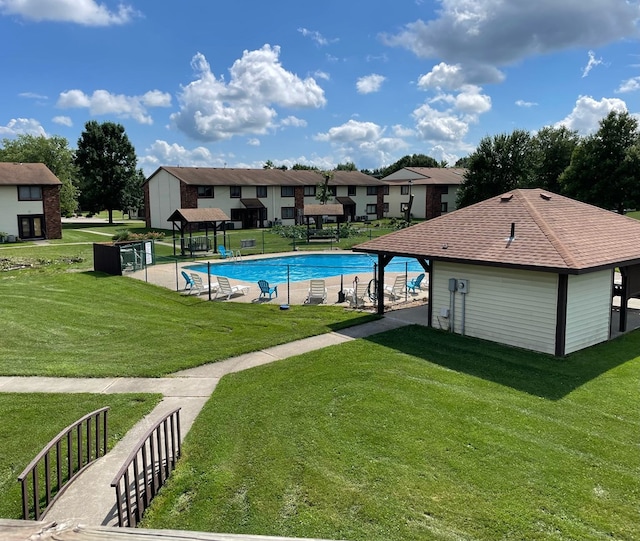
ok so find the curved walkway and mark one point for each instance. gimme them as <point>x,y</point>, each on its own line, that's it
<point>90,500</point>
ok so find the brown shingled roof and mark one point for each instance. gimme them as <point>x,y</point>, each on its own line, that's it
<point>330,209</point>
<point>26,174</point>
<point>429,175</point>
<point>205,176</point>
<point>552,232</point>
<point>192,216</point>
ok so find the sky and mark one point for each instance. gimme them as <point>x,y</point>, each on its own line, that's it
<point>237,83</point>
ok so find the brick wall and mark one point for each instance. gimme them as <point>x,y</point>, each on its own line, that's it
<point>380,203</point>
<point>298,193</point>
<point>147,205</point>
<point>434,200</point>
<point>188,196</point>
<point>51,211</point>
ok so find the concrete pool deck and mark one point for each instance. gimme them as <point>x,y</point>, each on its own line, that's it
<point>295,293</point>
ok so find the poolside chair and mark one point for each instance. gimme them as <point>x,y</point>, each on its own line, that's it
<point>189,285</point>
<point>317,291</point>
<point>414,284</point>
<point>265,289</point>
<point>358,295</point>
<point>396,291</point>
<point>224,253</point>
<point>199,286</point>
<point>225,288</point>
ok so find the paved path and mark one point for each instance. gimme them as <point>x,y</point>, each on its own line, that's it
<point>90,500</point>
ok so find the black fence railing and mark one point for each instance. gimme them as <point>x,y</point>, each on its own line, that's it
<point>147,468</point>
<point>62,460</point>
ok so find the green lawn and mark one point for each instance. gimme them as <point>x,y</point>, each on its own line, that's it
<point>29,421</point>
<point>418,434</point>
<point>91,324</point>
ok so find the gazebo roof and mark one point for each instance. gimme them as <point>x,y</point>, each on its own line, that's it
<point>331,209</point>
<point>550,232</point>
<point>190,216</point>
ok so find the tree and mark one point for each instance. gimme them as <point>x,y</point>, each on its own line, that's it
<point>133,194</point>
<point>55,153</point>
<point>349,166</point>
<point>301,167</point>
<point>498,165</point>
<point>552,149</point>
<point>106,163</point>
<point>415,160</point>
<point>604,166</point>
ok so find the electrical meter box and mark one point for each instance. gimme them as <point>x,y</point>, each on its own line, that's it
<point>463,286</point>
<point>453,284</point>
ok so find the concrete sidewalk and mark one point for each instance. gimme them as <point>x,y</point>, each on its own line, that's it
<point>90,500</point>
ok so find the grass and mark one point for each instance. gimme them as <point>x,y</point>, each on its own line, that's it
<point>29,421</point>
<point>93,325</point>
<point>418,434</point>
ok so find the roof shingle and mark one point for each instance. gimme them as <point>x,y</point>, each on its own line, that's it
<point>552,232</point>
<point>26,174</point>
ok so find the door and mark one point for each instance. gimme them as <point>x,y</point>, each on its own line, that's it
<point>30,227</point>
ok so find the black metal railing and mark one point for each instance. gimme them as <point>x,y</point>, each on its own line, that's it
<point>63,459</point>
<point>147,468</point>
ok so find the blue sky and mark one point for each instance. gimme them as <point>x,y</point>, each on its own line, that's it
<point>204,83</point>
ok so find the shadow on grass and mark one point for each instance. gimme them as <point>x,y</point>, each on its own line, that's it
<point>533,373</point>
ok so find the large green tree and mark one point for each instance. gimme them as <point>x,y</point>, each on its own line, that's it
<point>55,153</point>
<point>499,164</point>
<point>413,160</point>
<point>605,167</point>
<point>106,163</point>
<point>552,149</point>
<point>133,194</point>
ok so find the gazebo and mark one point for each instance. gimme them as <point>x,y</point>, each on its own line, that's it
<point>318,212</point>
<point>186,220</point>
<point>528,268</point>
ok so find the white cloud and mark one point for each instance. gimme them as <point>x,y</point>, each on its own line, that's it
<point>434,125</point>
<point>213,110</point>
<point>494,33</point>
<point>630,85</point>
<point>294,122</point>
<point>253,142</point>
<point>588,112</point>
<point>33,95</point>
<point>102,102</point>
<point>592,63</point>
<point>22,126</point>
<point>316,36</point>
<point>403,131</point>
<point>84,12</point>
<point>163,153</point>
<point>63,121</point>
<point>352,130</point>
<point>472,101</point>
<point>445,76</point>
<point>526,104</point>
<point>370,83</point>
<point>322,75</point>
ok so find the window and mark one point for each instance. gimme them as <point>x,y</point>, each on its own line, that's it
<point>351,190</point>
<point>333,190</point>
<point>205,191</point>
<point>30,227</point>
<point>236,191</point>
<point>444,207</point>
<point>404,190</point>
<point>261,191</point>
<point>385,207</point>
<point>286,191</point>
<point>309,191</point>
<point>385,189</point>
<point>29,193</point>
<point>371,209</point>
<point>288,213</point>
<point>372,190</point>
<point>236,215</point>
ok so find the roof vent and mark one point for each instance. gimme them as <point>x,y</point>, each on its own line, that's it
<point>545,196</point>
<point>506,197</point>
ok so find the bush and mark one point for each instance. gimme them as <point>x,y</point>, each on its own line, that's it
<point>126,234</point>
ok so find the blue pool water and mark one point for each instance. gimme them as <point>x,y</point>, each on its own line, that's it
<point>305,267</point>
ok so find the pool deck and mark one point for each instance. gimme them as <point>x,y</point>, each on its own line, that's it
<point>169,276</point>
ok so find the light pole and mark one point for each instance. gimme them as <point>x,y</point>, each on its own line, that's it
<point>408,217</point>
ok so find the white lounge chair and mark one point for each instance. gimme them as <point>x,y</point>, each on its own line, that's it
<point>198,286</point>
<point>357,296</point>
<point>317,291</point>
<point>225,288</point>
<point>397,290</point>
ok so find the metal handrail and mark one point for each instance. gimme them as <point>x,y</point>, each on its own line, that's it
<point>148,467</point>
<point>74,464</point>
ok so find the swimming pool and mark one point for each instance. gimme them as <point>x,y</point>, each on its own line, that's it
<point>304,267</point>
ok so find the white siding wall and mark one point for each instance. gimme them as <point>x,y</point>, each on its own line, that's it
<point>10,207</point>
<point>588,310</point>
<point>396,198</point>
<point>164,199</point>
<point>513,307</point>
